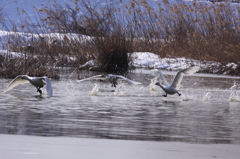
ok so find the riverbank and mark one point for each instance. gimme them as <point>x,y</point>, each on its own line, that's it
<point>24,147</point>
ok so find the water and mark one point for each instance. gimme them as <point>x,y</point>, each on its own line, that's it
<point>207,112</point>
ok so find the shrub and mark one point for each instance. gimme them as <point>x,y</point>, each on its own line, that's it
<point>113,53</point>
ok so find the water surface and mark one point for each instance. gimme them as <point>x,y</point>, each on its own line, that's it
<point>207,112</point>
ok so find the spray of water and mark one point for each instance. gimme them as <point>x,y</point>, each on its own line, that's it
<point>207,96</point>
<point>70,89</point>
<point>119,91</point>
<point>152,85</point>
<point>95,90</point>
<point>184,97</point>
<point>234,96</point>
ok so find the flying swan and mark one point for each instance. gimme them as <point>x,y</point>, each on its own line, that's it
<point>113,79</point>
<point>172,89</point>
<point>38,82</point>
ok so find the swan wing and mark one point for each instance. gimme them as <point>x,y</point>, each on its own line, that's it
<point>126,79</point>
<point>178,78</point>
<point>48,86</point>
<point>15,82</point>
<point>90,78</point>
<point>155,72</point>
<point>165,82</point>
<point>191,70</point>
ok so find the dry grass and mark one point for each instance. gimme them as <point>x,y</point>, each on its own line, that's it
<point>201,31</point>
<point>12,67</point>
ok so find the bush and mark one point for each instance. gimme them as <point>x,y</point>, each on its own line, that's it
<point>113,53</point>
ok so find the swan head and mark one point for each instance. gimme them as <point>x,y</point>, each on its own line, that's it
<point>158,84</point>
<point>104,75</point>
<point>25,77</point>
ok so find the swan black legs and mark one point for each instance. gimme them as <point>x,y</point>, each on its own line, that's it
<point>165,95</point>
<point>38,90</point>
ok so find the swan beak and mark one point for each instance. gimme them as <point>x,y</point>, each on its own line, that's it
<point>157,83</point>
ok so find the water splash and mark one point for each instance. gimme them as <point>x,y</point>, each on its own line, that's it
<point>70,89</point>
<point>119,91</point>
<point>95,90</point>
<point>184,97</point>
<point>234,97</point>
<point>235,85</point>
<point>207,96</point>
<point>152,85</point>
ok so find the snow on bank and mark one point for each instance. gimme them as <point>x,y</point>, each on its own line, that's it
<point>22,147</point>
<point>9,54</point>
<point>49,37</point>
<point>151,60</point>
<point>146,60</point>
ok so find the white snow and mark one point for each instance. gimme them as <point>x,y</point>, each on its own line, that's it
<point>147,59</point>
<point>151,60</point>
<point>9,54</point>
<point>24,147</point>
<point>88,64</point>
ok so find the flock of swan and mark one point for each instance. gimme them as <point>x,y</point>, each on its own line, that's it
<point>40,82</point>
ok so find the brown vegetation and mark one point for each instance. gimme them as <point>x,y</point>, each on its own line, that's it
<point>201,31</point>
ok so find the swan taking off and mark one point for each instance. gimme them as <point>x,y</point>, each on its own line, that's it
<point>38,82</point>
<point>172,89</point>
<point>113,79</point>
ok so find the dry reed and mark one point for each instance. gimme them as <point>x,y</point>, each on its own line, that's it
<point>107,33</point>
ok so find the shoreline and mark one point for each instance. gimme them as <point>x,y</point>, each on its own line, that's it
<point>24,147</point>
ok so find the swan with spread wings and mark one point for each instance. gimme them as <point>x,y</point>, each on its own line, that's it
<point>113,79</point>
<point>172,88</point>
<point>38,82</point>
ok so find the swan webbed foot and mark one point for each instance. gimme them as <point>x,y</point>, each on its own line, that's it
<point>38,90</point>
<point>165,95</point>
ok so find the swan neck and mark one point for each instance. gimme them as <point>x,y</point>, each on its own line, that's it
<point>161,86</point>
<point>27,78</point>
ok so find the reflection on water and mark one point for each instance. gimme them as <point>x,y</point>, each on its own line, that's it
<point>207,112</point>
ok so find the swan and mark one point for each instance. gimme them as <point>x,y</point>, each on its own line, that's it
<point>172,89</point>
<point>113,79</point>
<point>38,82</point>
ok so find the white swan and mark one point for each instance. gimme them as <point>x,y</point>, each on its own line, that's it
<point>172,89</point>
<point>113,79</point>
<point>38,82</point>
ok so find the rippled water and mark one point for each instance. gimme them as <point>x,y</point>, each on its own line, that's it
<point>207,112</point>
